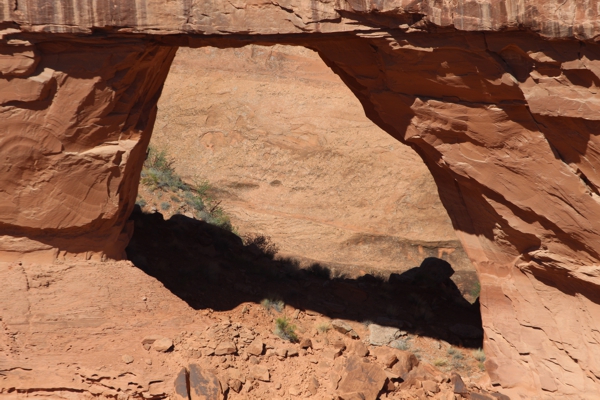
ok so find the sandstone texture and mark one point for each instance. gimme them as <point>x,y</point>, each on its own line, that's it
<point>292,156</point>
<point>76,120</point>
<point>93,330</point>
<point>568,18</point>
<point>498,98</point>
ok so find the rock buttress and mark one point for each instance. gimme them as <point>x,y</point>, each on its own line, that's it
<point>507,124</point>
<point>76,121</point>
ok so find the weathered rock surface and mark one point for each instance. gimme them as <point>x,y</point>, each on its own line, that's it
<point>75,126</point>
<point>293,157</point>
<point>505,120</point>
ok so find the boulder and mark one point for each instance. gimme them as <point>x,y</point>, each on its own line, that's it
<point>225,348</point>
<point>255,348</point>
<point>458,386</point>
<point>362,379</point>
<point>382,335</point>
<point>343,327</point>
<point>203,384</point>
<point>260,372</point>
<point>359,348</point>
<point>181,385</point>
<point>162,345</point>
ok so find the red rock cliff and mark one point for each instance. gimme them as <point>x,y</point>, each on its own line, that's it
<point>505,120</point>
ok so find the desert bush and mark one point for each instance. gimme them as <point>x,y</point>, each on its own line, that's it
<point>476,290</point>
<point>263,243</point>
<point>285,330</point>
<point>323,327</point>
<point>440,362</point>
<point>194,201</point>
<point>218,217</point>
<point>273,304</point>
<point>400,344</point>
<point>479,355</point>
<point>319,271</point>
<point>158,172</point>
<point>165,206</point>
<point>141,202</point>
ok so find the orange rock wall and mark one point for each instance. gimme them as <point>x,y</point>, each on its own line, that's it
<point>76,120</point>
<point>506,124</point>
<point>292,156</point>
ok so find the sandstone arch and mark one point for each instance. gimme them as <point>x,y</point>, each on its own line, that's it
<point>505,119</point>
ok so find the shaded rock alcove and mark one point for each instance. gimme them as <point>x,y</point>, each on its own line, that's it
<point>498,98</point>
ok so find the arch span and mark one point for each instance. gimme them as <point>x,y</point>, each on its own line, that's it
<point>505,120</point>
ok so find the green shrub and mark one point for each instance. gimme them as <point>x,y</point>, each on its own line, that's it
<point>141,203</point>
<point>194,201</point>
<point>440,362</point>
<point>323,327</point>
<point>272,304</point>
<point>285,330</point>
<point>165,206</point>
<point>400,344</point>
<point>263,243</point>
<point>479,355</point>
<point>158,172</point>
<point>476,290</point>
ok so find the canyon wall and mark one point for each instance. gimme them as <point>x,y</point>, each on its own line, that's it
<point>505,120</point>
<point>291,155</point>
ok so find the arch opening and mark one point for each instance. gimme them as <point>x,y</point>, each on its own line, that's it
<point>258,121</point>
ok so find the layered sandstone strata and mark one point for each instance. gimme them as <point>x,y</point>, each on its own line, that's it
<point>505,121</point>
<point>292,156</point>
<point>76,121</point>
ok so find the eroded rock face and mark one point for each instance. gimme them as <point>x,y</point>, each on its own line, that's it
<point>293,157</point>
<point>76,120</point>
<point>506,123</point>
<point>506,129</point>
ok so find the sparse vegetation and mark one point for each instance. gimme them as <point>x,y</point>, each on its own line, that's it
<point>400,344</point>
<point>476,290</point>
<point>272,304</point>
<point>158,172</point>
<point>263,243</point>
<point>479,355</point>
<point>159,175</point>
<point>285,330</point>
<point>440,362</point>
<point>323,327</point>
<point>451,351</point>
<point>141,202</point>
<point>319,271</point>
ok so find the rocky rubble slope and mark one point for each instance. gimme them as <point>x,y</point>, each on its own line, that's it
<point>196,317</point>
<point>291,155</point>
